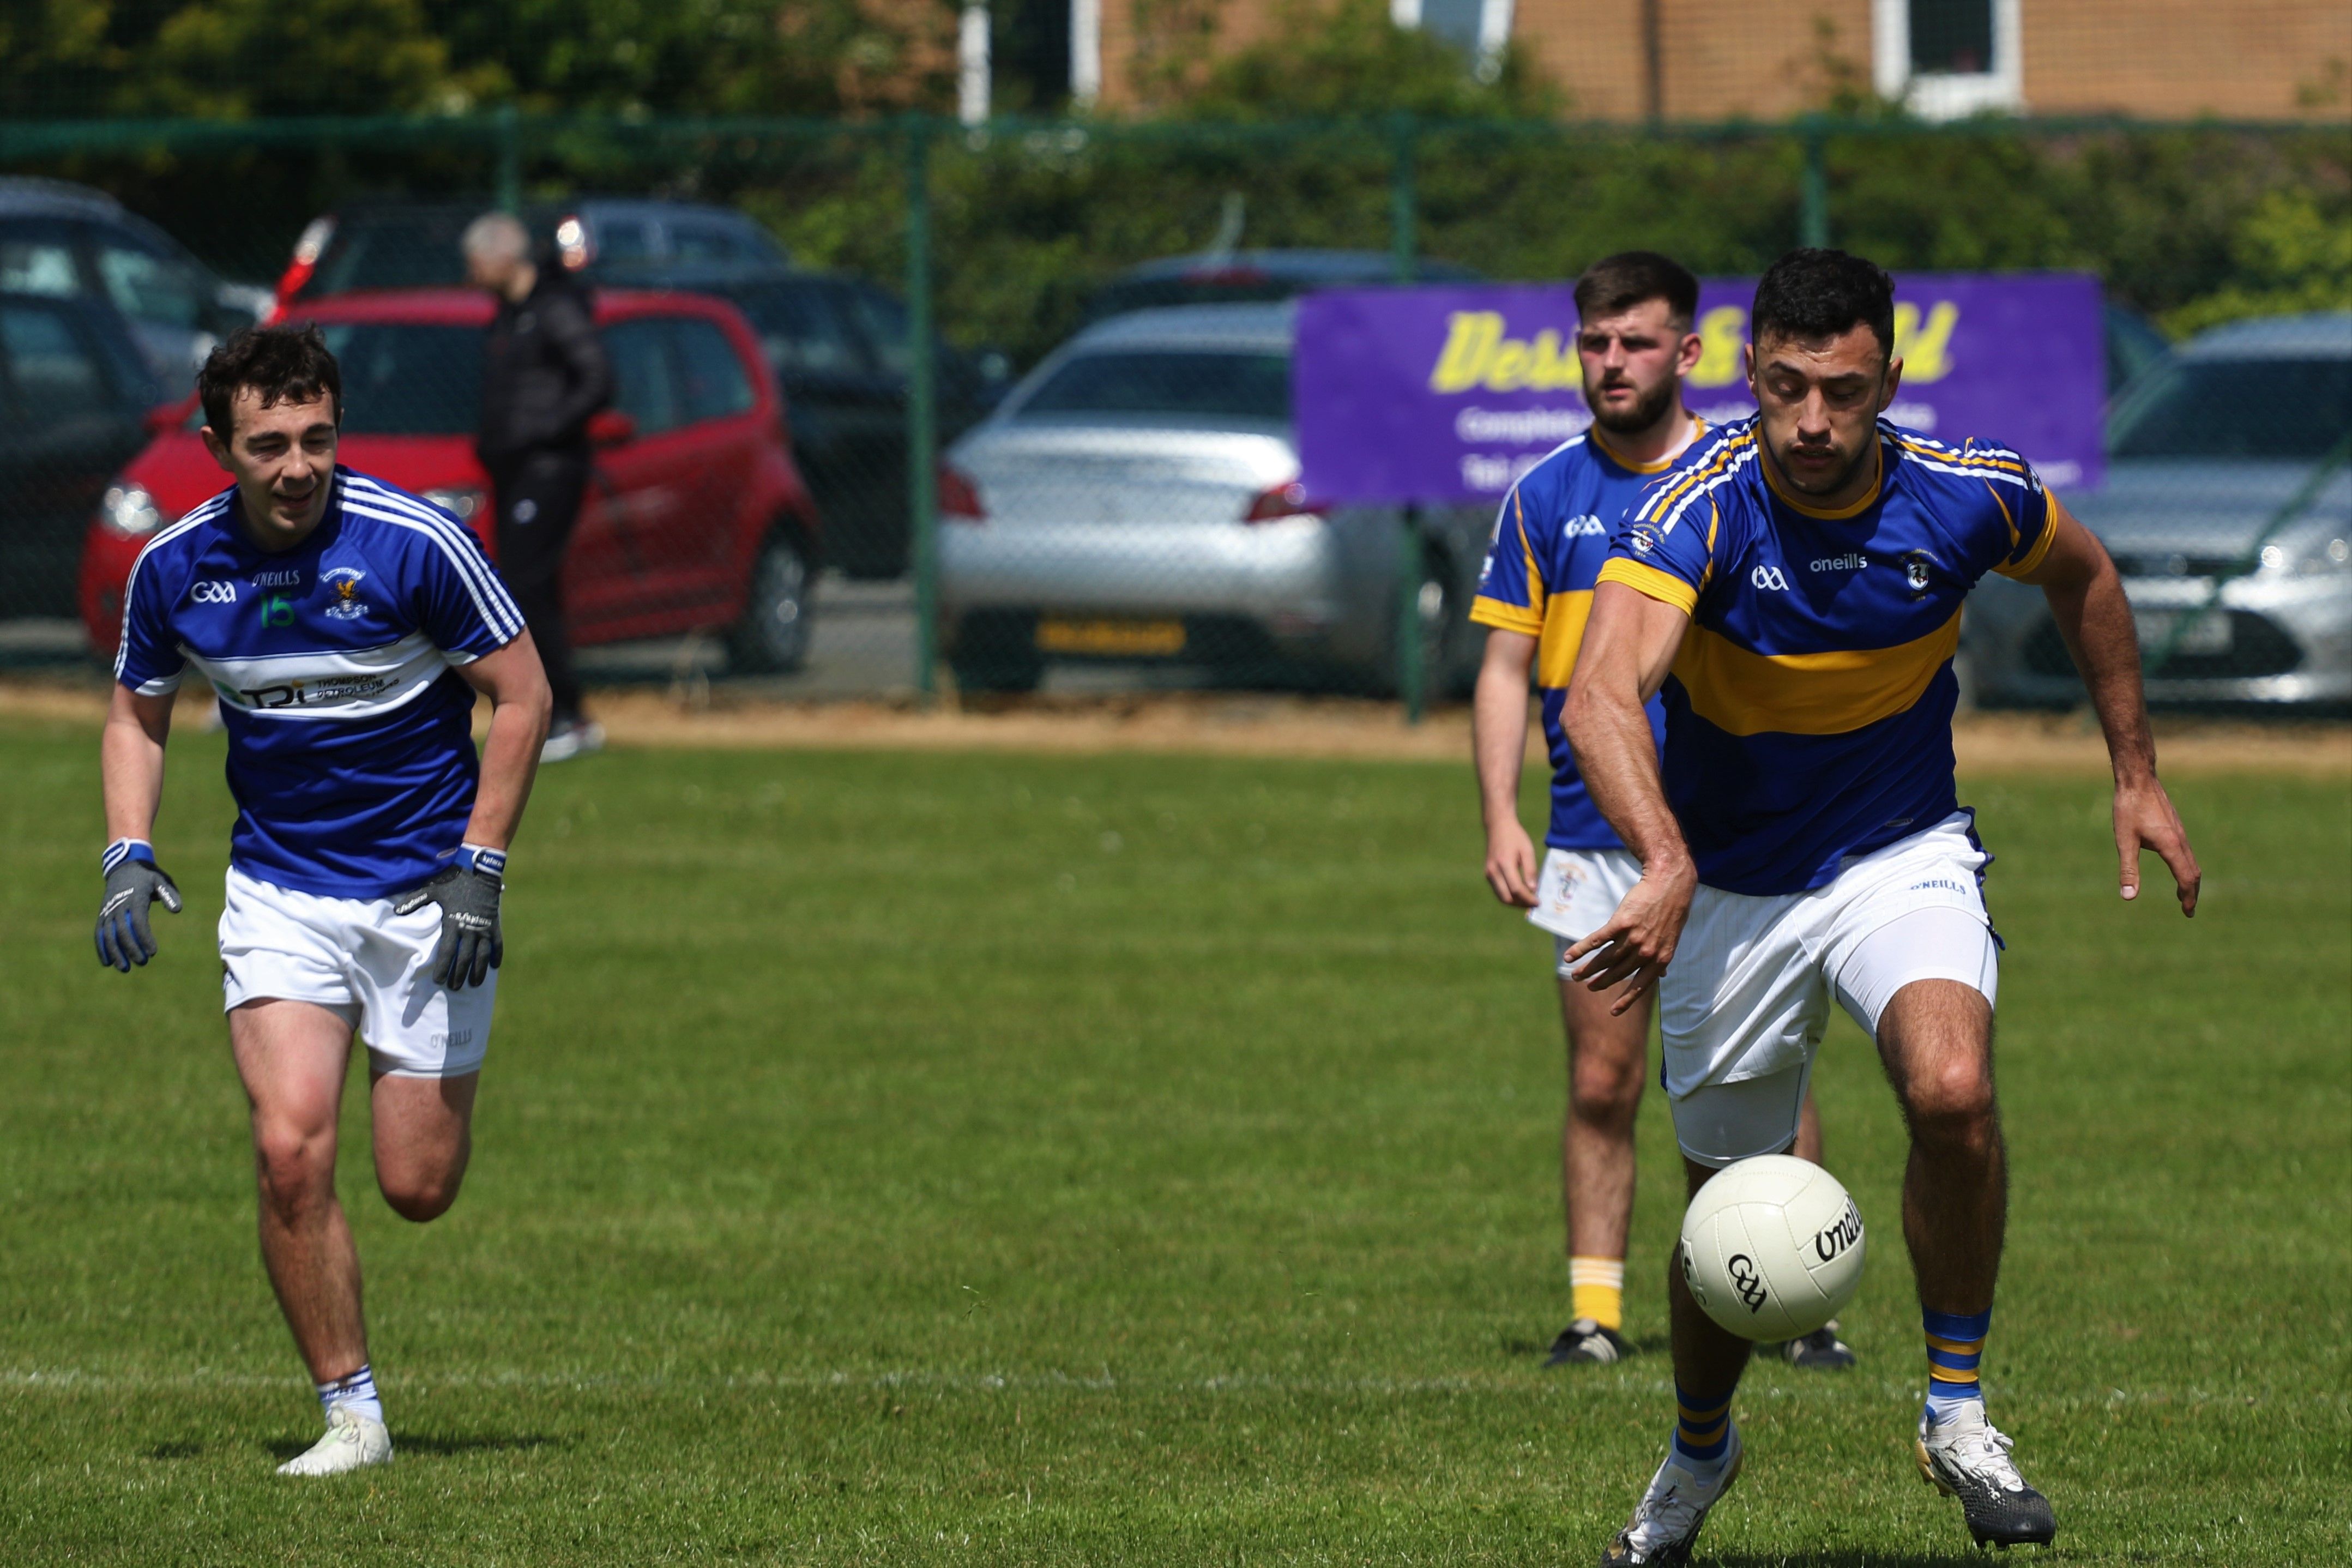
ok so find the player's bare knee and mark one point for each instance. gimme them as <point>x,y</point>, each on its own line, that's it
<point>296,1167</point>
<point>421,1196</point>
<point>1951,1105</point>
<point>1604,1094</point>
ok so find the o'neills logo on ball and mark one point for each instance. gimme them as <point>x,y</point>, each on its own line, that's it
<point>1837,1237</point>
<point>1746,1281</point>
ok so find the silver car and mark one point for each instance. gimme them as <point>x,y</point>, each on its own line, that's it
<point>1137,499</point>
<point>2228,509</point>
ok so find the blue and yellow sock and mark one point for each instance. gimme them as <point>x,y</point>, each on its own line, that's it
<point>1956,1342</point>
<point>1702,1427</point>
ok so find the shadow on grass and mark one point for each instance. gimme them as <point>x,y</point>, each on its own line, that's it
<point>404,1443</point>
<point>1859,1557</point>
<point>182,1450</point>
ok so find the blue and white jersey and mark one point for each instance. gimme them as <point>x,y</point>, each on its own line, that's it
<point>351,748</point>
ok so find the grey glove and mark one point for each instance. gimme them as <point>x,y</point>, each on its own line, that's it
<point>133,881</point>
<point>471,944</point>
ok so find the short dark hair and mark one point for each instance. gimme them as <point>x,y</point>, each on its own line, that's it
<point>284,364</point>
<point>1631,277</point>
<point>1814,293</point>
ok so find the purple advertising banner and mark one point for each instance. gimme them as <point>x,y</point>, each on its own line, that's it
<point>1449,393</point>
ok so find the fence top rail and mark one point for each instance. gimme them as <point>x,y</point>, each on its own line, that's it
<point>35,138</point>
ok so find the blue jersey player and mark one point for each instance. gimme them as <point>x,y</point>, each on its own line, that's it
<point>1794,590</point>
<point>344,626</point>
<point>1634,343</point>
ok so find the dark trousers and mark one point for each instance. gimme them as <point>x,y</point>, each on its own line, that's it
<point>538,496</point>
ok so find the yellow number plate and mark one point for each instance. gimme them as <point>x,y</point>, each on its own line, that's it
<point>1126,639</point>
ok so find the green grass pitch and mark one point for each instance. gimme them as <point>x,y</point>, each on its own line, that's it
<point>1025,1160</point>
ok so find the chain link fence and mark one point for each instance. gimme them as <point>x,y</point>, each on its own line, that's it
<point>1030,420</point>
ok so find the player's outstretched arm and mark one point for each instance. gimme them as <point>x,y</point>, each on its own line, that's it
<point>2086,599</point>
<point>1630,644</point>
<point>131,772</point>
<point>469,889</point>
<point>1498,741</point>
<point>520,710</point>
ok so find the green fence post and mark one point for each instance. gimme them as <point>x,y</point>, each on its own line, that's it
<point>509,136</point>
<point>1403,211</point>
<point>923,474</point>
<point>1814,212</point>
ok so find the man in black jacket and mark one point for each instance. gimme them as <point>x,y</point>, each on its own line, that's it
<point>544,373</point>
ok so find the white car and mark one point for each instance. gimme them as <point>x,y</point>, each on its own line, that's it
<point>1137,499</point>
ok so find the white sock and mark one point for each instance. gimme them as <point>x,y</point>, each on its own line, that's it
<point>356,1394</point>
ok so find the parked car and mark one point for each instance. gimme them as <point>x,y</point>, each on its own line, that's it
<point>1137,498</point>
<point>837,346</point>
<point>696,519</point>
<point>1236,277</point>
<point>2228,509</point>
<point>2133,346</point>
<point>72,242</point>
<point>397,244</point>
<point>76,395</point>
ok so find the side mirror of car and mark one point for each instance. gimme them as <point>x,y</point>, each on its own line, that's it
<point>610,427</point>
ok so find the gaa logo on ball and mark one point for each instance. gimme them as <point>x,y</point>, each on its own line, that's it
<point>1773,1247</point>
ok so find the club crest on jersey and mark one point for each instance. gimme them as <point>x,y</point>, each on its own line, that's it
<point>1915,571</point>
<point>342,586</point>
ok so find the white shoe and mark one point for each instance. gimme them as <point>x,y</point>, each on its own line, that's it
<point>1666,1526</point>
<point>575,738</point>
<point>1966,1457</point>
<point>352,1442</point>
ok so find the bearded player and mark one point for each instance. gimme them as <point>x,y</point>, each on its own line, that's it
<point>345,626</point>
<point>1794,589</point>
<point>1635,313</point>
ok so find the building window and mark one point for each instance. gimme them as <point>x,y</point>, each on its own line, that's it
<point>1943,59</point>
<point>1479,29</point>
<point>1952,38</point>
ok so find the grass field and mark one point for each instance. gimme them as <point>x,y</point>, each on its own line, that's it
<point>991,1159</point>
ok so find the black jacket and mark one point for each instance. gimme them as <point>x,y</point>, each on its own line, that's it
<point>544,372</point>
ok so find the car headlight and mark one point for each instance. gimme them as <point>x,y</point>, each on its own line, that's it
<point>128,509</point>
<point>461,502</point>
<point>2313,556</point>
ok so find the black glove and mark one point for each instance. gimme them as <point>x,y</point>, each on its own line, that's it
<point>133,881</point>
<point>471,945</point>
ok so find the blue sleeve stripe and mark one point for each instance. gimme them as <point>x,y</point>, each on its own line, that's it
<point>456,538</point>
<point>497,611</point>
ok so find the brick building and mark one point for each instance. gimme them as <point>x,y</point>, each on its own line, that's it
<point>1699,59</point>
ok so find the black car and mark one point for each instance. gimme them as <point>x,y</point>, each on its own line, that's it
<point>1245,276</point>
<point>838,349</point>
<point>69,241</point>
<point>391,243</point>
<point>76,395</point>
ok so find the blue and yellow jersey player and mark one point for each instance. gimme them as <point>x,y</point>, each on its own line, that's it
<point>1635,344</point>
<point>1794,588</point>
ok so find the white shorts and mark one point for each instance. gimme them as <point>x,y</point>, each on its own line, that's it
<point>1576,893</point>
<point>358,958</point>
<point>1744,1003</point>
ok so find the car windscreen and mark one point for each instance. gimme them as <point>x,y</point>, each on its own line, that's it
<point>403,378</point>
<point>1187,384</point>
<point>2237,409</point>
<point>411,250</point>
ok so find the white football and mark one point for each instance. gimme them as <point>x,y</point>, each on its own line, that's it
<point>1773,1247</point>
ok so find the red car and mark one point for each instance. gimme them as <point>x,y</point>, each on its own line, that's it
<point>696,517</point>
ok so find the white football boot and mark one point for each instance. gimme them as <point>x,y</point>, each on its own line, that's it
<point>1966,1457</point>
<point>352,1442</point>
<point>1666,1525</point>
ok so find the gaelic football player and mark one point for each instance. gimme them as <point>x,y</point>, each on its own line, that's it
<point>1635,311</point>
<point>1794,589</point>
<point>346,626</point>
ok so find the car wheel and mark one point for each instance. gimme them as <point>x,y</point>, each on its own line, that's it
<point>773,634</point>
<point>1438,628</point>
<point>996,650</point>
